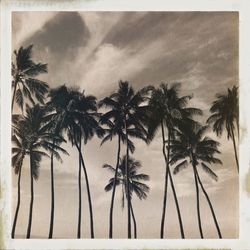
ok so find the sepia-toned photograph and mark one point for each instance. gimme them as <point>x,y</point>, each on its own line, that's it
<point>125,125</point>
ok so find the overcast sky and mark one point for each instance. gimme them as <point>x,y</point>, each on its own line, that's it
<point>93,51</point>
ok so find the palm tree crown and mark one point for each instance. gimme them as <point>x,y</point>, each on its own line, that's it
<point>31,134</point>
<point>125,105</point>
<point>75,113</point>
<point>195,146</point>
<point>24,71</point>
<point>225,112</point>
<point>167,106</point>
<point>192,144</point>
<point>225,115</point>
<point>136,186</point>
<point>134,180</point>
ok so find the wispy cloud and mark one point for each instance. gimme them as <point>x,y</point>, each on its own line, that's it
<point>93,50</point>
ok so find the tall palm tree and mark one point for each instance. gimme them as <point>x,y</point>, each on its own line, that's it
<point>32,137</point>
<point>225,115</point>
<point>78,116</point>
<point>136,186</point>
<point>19,149</point>
<point>86,127</point>
<point>24,83</point>
<point>56,106</point>
<point>112,129</point>
<point>57,130</point>
<point>125,118</point>
<point>167,111</point>
<point>192,146</point>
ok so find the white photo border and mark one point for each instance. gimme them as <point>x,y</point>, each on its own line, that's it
<point>241,6</point>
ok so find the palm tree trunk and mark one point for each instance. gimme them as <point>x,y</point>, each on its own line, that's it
<point>80,195</point>
<point>52,195</point>
<point>113,191</point>
<point>174,192</point>
<point>88,193</point>
<point>127,181</point>
<point>31,199</point>
<point>13,97</point>
<point>177,205</point>
<point>210,205</point>
<point>197,201</point>
<point>166,181</point>
<point>18,202</point>
<point>134,221</point>
<point>235,150</point>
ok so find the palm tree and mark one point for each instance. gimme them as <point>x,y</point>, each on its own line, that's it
<point>24,83</point>
<point>136,186</point>
<point>56,129</point>
<point>192,146</point>
<point>168,110</point>
<point>112,130</point>
<point>86,127</point>
<point>57,117</point>
<point>125,118</point>
<point>78,116</point>
<point>32,137</point>
<point>225,115</point>
<point>18,153</point>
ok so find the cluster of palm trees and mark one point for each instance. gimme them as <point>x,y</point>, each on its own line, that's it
<point>50,117</point>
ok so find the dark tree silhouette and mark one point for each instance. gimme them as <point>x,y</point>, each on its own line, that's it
<point>24,83</point>
<point>125,119</point>
<point>192,144</point>
<point>168,110</point>
<point>32,137</point>
<point>19,149</point>
<point>225,115</point>
<point>78,116</point>
<point>136,186</point>
<point>113,129</point>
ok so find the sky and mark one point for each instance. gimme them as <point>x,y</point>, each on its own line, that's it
<point>93,51</point>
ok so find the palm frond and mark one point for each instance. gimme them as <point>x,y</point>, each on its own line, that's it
<point>109,167</point>
<point>209,171</point>
<point>138,177</point>
<point>36,69</point>
<point>19,98</point>
<point>180,166</point>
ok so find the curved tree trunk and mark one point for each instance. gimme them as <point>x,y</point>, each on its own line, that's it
<point>127,181</point>
<point>174,192</point>
<point>210,205</point>
<point>18,202</point>
<point>134,221</point>
<point>166,157</point>
<point>88,193</point>
<point>80,195</point>
<point>197,201</point>
<point>13,97</point>
<point>52,196</point>
<point>31,200</point>
<point>177,206</point>
<point>235,150</point>
<point>113,191</point>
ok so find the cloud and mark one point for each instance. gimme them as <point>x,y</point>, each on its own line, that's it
<point>93,50</point>
<point>24,24</point>
<point>108,65</point>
